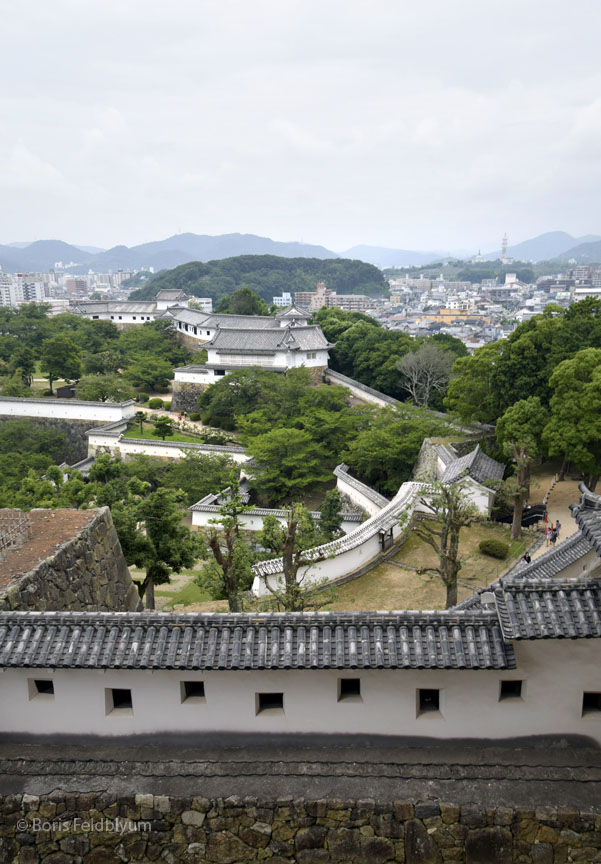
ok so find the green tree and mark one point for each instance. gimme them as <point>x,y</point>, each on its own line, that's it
<point>197,474</point>
<point>60,358</point>
<point>574,428</point>
<point>331,515</point>
<point>451,510</point>
<point>383,454</point>
<point>104,388</point>
<point>243,301</point>
<point>22,361</point>
<point>448,343</point>
<point>288,463</point>
<point>14,386</point>
<point>103,363</point>
<point>27,436</point>
<point>229,572</point>
<point>296,543</point>
<point>151,373</point>
<point>140,417</point>
<point>170,546</point>
<point>519,434</point>
<point>471,392</point>
<point>163,427</point>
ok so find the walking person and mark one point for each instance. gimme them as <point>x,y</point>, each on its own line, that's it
<point>553,537</point>
<point>557,527</point>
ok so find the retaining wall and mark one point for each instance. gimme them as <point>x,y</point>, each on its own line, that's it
<point>147,827</point>
<point>86,573</point>
<point>185,396</point>
<point>75,432</point>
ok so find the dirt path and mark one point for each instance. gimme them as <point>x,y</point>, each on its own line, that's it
<point>558,504</point>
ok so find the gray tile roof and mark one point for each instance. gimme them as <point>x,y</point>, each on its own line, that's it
<point>343,472</point>
<point>282,339</point>
<point>330,640</point>
<point>558,609</point>
<point>134,307</point>
<point>211,503</point>
<point>171,294</point>
<point>546,566</point>
<point>294,312</point>
<point>587,514</point>
<point>477,465</point>
<point>446,455</point>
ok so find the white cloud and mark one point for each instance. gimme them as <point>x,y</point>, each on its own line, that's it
<point>420,125</point>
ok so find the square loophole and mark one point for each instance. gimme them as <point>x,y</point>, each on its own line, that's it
<point>40,688</point>
<point>349,690</point>
<point>118,700</point>
<point>510,690</point>
<point>591,703</point>
<point>428,701</point>
<point>192,691</point>
<point>270,704</point>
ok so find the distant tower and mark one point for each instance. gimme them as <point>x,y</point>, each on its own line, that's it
<point>504,243</point>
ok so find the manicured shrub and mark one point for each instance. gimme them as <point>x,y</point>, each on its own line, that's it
<point>155,403</point>
<point>167,406</point>
<point>142,397</point>
<point>194,416</point>
<point>494,548</point>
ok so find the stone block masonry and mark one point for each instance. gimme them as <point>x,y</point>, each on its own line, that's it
<point>102,828</point>
<point>185,396</point>
<point>72,560</point>
<point>75,432</point>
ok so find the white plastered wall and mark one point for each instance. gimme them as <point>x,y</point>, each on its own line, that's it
<point>67,409</point>
<point>554,673</point>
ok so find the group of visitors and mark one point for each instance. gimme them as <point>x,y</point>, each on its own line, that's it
<point>551,535</point>
<point>551,531</point>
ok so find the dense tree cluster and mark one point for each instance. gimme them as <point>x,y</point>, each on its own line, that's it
<point>369,354</point>
<point>109,363</point>
<point>540,386</point>
<point>297,432</point>
<point>267,276</point>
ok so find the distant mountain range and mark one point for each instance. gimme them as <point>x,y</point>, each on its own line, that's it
<point>162,254</point>
<point>42,255</point>
<point>547,247</point>
<point>383,257</point>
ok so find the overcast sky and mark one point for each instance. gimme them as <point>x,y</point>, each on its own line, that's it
<point>416,124</point>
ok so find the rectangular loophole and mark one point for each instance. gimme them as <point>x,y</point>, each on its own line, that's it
<point>118,700</point>
<point>428,701</point>
<point>40,688</point>
<point>591,703</point>
<point>269,703</point>
<point>192,691</point>
<point>349,690</point>
<point>510,690</point>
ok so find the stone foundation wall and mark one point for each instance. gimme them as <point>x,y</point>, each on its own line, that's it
<point>56,829</point>
<point>76,445</point>
<point>88,573</point>
<point>185,396</point>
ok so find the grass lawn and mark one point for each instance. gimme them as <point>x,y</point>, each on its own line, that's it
<point>168,596</point>
<point>389,586</point>
<point>133,431</point>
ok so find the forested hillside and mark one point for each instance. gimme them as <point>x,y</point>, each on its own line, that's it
<point>268,275</point>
